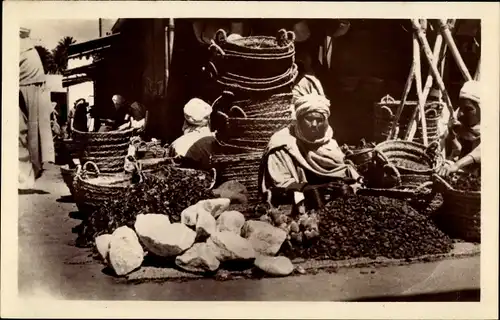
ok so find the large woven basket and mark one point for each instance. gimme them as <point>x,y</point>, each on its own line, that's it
<point>275,106</point>
<point>243,168</point>
<point>102,138</point>
<point>461,211</point>
<point>255,56</point>
<point>106,164</point>
<point>385,113</point>
<point>92,187</point>
<point>105,151</point>
<point>68,176</point>
<point>250,128</point>
<point>412,164</point>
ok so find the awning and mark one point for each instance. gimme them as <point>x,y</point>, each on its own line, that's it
<point>91,47</point>
<point>74,80</point>
<point>87,69</point>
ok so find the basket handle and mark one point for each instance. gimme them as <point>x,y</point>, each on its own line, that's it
<point>387,99</point>
<point>220,36</point>
<point>216,49</point>
<point>441,183</point>
<point>424,185</point>
<point>395,172</point>
<point>238,112</point>
<point>387,111</point>
<point>95,167</point>
<point>211,71</point>
<point>381,156</point>
<point>214,178</point>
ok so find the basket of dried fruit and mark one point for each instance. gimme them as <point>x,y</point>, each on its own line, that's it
<point>412,163</point>
<point>461,212</point>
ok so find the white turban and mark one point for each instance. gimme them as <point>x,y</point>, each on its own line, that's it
<point>312,102</point>
<point>197,112</point>
<point>471,90</point>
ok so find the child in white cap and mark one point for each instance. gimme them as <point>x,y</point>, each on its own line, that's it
<point>467,131</point>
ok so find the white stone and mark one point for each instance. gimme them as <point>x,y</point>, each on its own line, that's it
<point>167,240</point>
<point>231,221</point>
<point>125,251</point>
<point>198,258</point>
<point>265,238</point>
<point>102,244</point>
<point>215,206</point>
<point>276,266</point>
<point>205,225</point>
<point>149,224</point>
<point>227,246</point>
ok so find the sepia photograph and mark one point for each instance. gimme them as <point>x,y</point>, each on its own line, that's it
<point>250,159</point>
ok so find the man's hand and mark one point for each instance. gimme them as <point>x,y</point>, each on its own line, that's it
<point>448,169</point>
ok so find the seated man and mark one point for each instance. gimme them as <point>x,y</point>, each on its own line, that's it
<point>195,146</point>
<point>466,132</point>
<point>126,112</point>
<point>304,153</point>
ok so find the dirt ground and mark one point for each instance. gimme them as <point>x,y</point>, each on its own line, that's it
<point>49,263</point>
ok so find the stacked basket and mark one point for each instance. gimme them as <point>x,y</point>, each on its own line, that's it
<point>433,111</point>
<point>256,74</point>
<point>385,113</point>
<point>106,149</point>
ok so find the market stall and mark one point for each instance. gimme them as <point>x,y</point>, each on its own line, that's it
<point>143,207</point>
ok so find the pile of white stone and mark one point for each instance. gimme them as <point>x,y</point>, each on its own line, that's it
<point>208,235</point>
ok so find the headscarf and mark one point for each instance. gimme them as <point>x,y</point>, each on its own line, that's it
<point>472,91</point>
<point>307,85</point>
<point>312,103</point>
<point>196,115</point>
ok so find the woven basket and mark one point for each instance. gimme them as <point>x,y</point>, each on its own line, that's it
<point>150,150</point>
<point>411,163</point>
<point>461,212</point>
<point>102,138</point>
<point>255,56</point>
<point>68,176</point>
<point>106,164</point>
<point>385,113</point>
<point>106,151</point>
<point>250,128</point>
<point>243,168</point>
<point>266,86</point>
<point>93,188</point>
<point>433,114</point>
<point>275,106</point>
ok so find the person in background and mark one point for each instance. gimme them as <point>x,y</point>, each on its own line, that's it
<point>196,144</point>
<point>305,153</point>
<point>466,133</point>
<point>36,145</point>
<point>127,112</point>
<point>78,116</point>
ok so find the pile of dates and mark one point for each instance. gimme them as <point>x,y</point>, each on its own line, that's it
<point>371,227</point>
<point>465,181</point>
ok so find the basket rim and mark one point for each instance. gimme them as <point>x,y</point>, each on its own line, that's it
<point>452,190</point>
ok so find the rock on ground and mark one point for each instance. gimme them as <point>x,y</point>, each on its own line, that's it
<point>167,240</point>
<point>125,251</point>
<point>231,221</point>
<point>199,258</point>
<point>229,246</point>
<point>265,238</point>
<point>232,190</point>
<point>215,207</point>
<point>102,244</point>
<point>205,226</point>
<point>144,222</point>
<point>276,266</point>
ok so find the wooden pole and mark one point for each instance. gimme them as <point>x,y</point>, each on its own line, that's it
<point>428,85</point>
<point>418,83</point>
<point>399,111</point>
<point>445,31</point>
<point>434,70</point>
